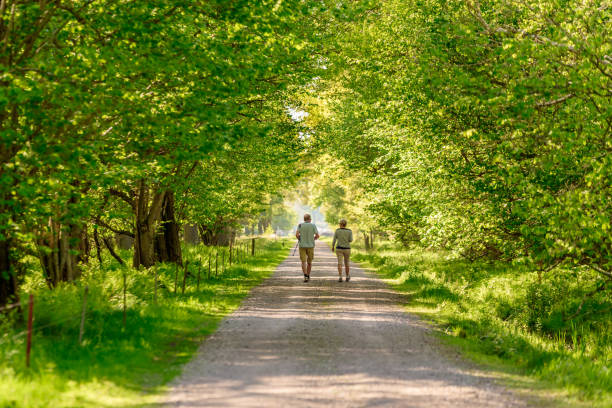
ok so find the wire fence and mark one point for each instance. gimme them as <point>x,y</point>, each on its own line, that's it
<point>11,306</point>
<point>214,262</point>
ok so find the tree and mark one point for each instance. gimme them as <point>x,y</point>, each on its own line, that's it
<point>473,129</point>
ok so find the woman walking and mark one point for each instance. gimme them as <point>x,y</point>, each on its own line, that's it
<point>343,238</point>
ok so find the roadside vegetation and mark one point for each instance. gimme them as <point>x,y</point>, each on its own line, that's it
<point>478,133</point>
<point>508,317</point>
<point>117,365</point>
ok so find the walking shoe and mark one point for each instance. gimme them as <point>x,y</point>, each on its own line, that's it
<point>340,279</point>
<point>306,278</point>
<point>348,278</point>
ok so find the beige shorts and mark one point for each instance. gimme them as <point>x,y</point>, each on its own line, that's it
<point>306,254</point>
<point>343,254</point>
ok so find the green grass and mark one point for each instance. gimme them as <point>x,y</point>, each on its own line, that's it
<point>504,317</point>
<point>117,366</point>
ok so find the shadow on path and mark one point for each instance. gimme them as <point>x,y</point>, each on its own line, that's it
<point>326,343</point>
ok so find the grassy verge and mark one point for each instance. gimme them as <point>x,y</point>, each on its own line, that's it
<point>117,366</point>
<point>509,319</point>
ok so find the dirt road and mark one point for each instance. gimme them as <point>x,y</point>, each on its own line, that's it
<point>328,344</point>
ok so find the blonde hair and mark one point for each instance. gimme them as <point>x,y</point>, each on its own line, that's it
<point>342,222</point>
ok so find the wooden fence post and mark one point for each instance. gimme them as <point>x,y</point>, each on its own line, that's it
<point>230,252</point>
<point>176,278</point>
<point>29,338</point>
<point>199,272</point>
<point>217,263</point>
<point>253,247</point>
<point>124,299</point>
<point>155,288</point>
<point>223,262</point>
<point>83,309</point>
<point>184,277</point>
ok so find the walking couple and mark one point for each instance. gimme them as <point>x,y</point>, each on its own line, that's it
<point>307,233</point>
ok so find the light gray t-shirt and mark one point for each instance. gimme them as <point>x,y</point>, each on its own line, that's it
<point>307,232</point>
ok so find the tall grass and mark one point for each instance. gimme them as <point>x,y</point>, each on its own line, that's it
<point>117,365</point>
<point>507,314</point>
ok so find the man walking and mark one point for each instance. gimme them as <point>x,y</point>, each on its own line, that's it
<point>306,234</point>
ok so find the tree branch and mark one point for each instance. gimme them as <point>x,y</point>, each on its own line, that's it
<point>555,101</point>
<point>115,230</point>
<point>475,7</point>
<point>122,196</point>
<point>109,246</point>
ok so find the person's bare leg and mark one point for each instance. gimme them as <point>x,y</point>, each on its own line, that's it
<point>309,268</point>
<point>340,269</point>
<point>304,268</point>
<point>346,267</point>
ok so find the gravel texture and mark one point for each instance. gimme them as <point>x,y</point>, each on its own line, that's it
<point>329,344</point>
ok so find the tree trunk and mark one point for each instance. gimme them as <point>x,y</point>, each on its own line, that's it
<point>190,234</point>
<point>366,238</point>
<point>8,278</point>
<point>144,251</point>
<point>206,234</point>
<point>61,248</point>
<point>148,212</point>
<point>224,236</point>
<point>97,242</point>
<point>167,241</point>
<point>124,241</point>
<point>216,235</point>
<point>85,245</point>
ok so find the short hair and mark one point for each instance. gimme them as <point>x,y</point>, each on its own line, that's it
<point>342,222</point>
<point>307,217</point>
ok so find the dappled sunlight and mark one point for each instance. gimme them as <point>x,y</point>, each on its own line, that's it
<point>289,390</point>
<point>326,343</point>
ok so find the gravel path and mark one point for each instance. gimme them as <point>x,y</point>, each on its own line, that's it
<point>328,344</point>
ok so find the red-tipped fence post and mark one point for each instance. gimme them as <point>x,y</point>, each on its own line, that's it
<point>124,299</point>
<point>29,340</point>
